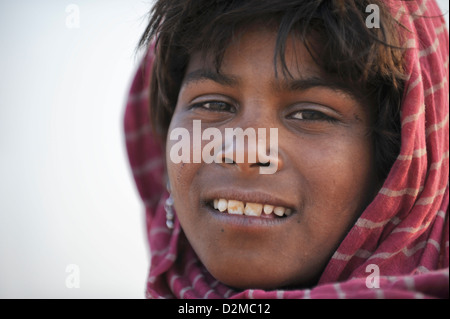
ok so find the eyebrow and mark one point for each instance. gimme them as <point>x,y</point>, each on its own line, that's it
<point>301,84</point>
<point>305,84</point>
<point>205,74</point>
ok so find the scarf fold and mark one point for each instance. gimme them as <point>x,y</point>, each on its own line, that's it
<point>404,231</point>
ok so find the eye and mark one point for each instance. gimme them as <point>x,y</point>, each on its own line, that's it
<point>310,115</point>
<point>215,106</point>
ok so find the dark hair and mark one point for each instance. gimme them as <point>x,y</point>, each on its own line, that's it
<point>366,61</point>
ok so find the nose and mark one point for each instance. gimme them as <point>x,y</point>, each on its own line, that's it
<point>250,152</point>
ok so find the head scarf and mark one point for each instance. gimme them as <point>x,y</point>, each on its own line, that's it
<point>404,232</point>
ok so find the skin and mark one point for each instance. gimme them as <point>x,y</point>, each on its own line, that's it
<point>325,164</point>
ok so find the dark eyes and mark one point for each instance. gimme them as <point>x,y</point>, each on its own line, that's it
<point>310,115</point>
<point>215,106</point>
<point>304,115</point>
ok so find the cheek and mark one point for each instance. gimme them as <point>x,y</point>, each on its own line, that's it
<point>340,177</point>
<point>178,154</point>
<point>183,186</point>
<point>180,174</point>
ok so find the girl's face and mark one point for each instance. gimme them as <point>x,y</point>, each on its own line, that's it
<point>325,173</point>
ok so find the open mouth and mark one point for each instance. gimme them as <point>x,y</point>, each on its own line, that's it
<point>236,207</point>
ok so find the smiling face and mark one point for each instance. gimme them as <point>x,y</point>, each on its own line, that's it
<point>325,174</point>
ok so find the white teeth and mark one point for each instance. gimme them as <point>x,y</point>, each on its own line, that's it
<point>268,209</point>
<point>222,205</point>
<point>236,207</point>
<point>253,209</point>
<point>279,211</point>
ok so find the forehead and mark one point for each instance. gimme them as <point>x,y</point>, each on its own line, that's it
<point>253,50</point>
<point>251,56</point>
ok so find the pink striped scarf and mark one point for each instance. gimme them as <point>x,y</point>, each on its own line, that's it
<point>404,231</point>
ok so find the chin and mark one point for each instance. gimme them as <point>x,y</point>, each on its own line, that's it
<point>241,277</point>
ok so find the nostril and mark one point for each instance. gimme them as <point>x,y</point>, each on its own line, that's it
<point>261,164</point>
<point>228,160</point>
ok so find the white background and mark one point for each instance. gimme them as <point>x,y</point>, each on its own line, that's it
<point>66,192</point>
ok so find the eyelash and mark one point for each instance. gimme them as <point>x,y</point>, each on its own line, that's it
<point>226,107</point>
<point>203,105</point>
<point>322,116</point>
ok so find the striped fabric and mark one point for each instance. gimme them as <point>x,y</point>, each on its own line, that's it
<point>404,231</point>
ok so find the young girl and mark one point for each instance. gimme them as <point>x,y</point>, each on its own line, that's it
<point>356,201</point>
